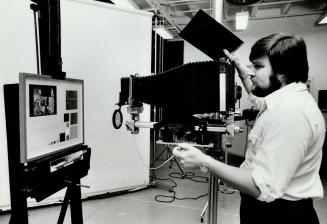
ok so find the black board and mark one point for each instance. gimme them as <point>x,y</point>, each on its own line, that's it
<point>209,36</point>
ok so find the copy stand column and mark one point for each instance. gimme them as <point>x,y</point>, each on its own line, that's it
<point>213,193</point>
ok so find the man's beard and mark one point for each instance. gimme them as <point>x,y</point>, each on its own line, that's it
<point>262,92</point>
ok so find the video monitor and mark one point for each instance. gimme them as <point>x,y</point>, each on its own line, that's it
<point>51,115</point>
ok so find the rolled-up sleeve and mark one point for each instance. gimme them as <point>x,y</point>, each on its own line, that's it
<point>280,153</point>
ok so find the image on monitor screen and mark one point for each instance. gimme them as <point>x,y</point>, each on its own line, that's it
<point>51,113</point>
<point>71,100</point>
<point>42,100</point>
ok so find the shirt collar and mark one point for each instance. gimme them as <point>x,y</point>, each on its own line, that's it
<point>274,98</point>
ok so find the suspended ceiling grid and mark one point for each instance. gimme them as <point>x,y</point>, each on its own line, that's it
<point>175,14</point>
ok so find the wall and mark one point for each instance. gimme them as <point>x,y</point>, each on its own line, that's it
<point>100,44</point>
<point>316,41</point>
<point>17,54</point>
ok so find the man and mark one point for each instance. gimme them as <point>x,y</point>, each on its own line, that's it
<point>280,174</point>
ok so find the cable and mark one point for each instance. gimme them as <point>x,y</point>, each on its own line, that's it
<point>142,161</point>
<point>162,163</point>
<point>173,197</point>
<point>171,189</point>
<point>187,175</point>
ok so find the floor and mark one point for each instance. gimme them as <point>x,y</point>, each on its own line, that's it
<point>141,207</point>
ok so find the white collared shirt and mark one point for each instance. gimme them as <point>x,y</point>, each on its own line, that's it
<point>285,145</point>
<point>256,101</point>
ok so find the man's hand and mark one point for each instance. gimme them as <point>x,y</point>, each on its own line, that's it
<point>232,58</point>
<point>243,71</point>
<point>189,156</point>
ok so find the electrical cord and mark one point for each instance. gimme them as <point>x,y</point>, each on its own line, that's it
<point>187,175</point>
<point>155,168</point>
<point>173,196</point>
<point>142,161</point>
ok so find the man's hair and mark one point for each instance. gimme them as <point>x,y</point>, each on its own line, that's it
<point>287,55</point>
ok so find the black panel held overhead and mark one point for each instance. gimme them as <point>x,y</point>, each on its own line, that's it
<point>209,36</point>
<point>50,38</point>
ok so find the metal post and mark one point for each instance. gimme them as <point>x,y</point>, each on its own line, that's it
<point>213,199</point>
<point>152,172</point>
<point>213,184</point>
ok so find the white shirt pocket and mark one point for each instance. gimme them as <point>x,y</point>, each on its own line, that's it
<point>255,138</point>
<point>254,142</point>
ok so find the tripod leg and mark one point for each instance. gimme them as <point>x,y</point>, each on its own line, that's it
<point>76,204</point>
<point>179,167</point>
<point>19,213</point>
<point>162,152</point>
<point>64,206</point>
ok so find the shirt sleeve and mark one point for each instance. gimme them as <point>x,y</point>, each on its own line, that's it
<point>284,143</point>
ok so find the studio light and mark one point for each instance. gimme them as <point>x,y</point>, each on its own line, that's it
<point>241,21</point>
<point>163,32</point>
<point>125,4</point>
<point>322,20</point>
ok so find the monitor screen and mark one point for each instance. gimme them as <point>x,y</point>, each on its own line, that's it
<point>51,115</point>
